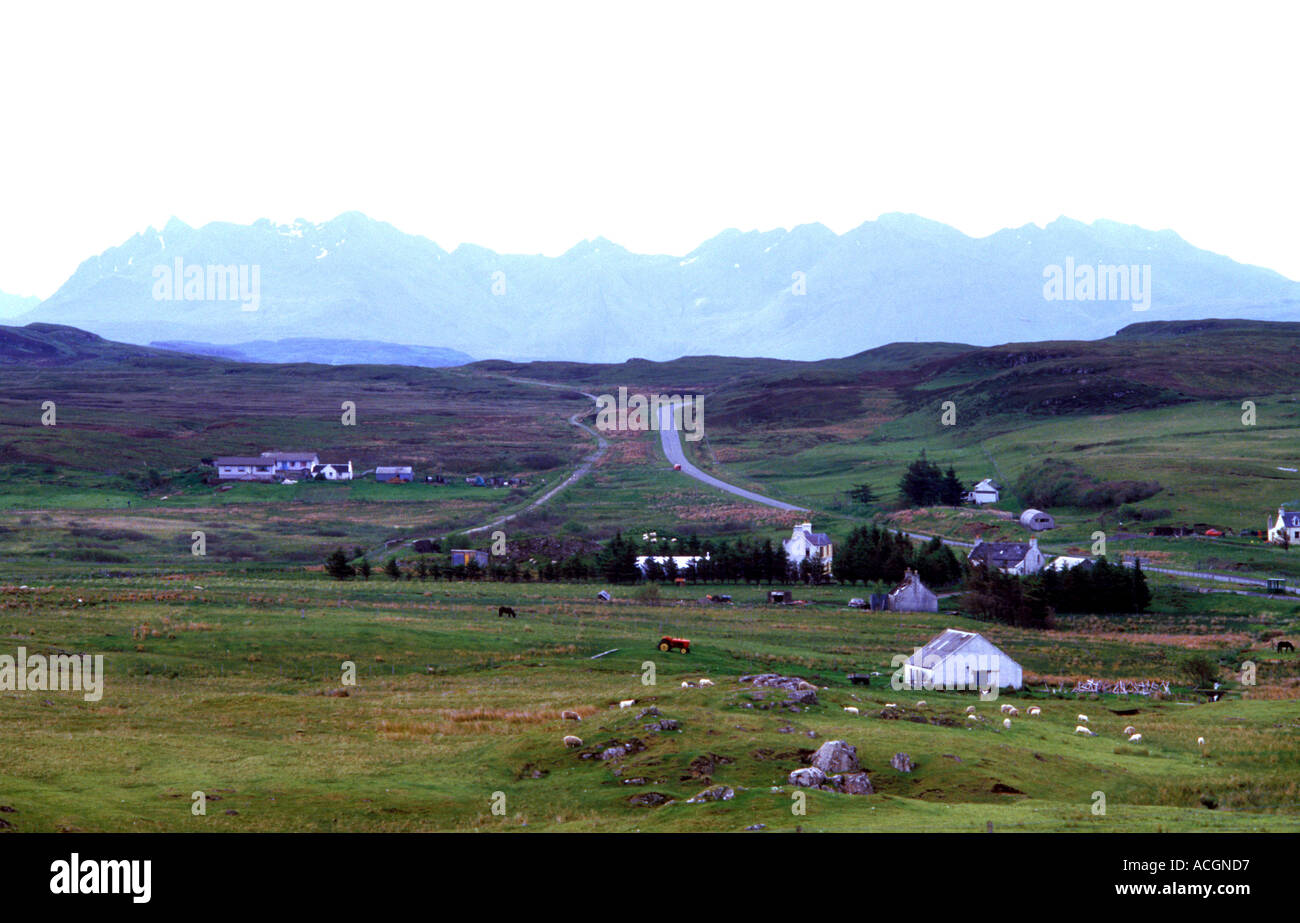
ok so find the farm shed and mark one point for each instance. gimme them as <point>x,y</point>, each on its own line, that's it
<point>396,473</point>
<point>780,596</point>
<point>1037,520</point>
<point>912,595</point>
<point>961,660</point>
<point>464,556</point>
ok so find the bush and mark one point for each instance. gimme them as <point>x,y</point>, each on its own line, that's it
<point>1200,670</point>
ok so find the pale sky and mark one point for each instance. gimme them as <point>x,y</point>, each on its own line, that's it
<point>528,127</point>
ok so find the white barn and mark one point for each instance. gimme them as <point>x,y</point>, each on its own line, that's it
<point>961,660</point>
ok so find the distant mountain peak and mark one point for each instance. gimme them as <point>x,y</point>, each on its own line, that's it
<point>802,293</point>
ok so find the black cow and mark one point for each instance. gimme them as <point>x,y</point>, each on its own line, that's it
<point>1285,646</point>
<point>505,610</point>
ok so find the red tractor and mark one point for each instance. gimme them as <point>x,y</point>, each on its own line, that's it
<point>675,644</point>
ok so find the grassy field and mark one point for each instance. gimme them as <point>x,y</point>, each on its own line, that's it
<point>214,683</point>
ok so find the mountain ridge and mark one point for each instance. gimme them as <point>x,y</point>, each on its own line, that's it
<point>801,293</point>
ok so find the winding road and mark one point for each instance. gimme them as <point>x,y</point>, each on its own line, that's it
<point>670,439</point>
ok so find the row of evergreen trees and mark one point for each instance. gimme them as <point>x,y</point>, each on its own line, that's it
<point>1029,602</point>
<point>872,554</point>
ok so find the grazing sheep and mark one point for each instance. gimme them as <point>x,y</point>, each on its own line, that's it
<point>1083,719</point>
<point>626,703</point>
<point>686,685</point>
<point>1083,730</point>
<point>568,715</point>
<point>1013,712</point>
<point>705,681</point>
<point>570,741</point>
<point>891,705</point>
<point>1006,723</point>
<point>1034,711</point>
<point>921,704</point>
<point>970,709</point>
<point>852,710</point>
<point>972,717</point>
<point>1130,730</point>
<point>1135,738</point>
<point>1005,708</point>
<point>1200,741</point>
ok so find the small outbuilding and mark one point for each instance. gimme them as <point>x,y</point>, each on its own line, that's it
<point>1037,520</point>
<point>399,474</point>
<point>912,595</point>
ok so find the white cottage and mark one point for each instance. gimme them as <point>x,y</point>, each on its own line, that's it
<point>986,491</point>
<point>805,543</point>
<point>1286,529</point>
<point>333,471</point>
<point>961,660</point>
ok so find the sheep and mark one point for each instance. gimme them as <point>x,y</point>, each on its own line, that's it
<point>970,709</point>
<point>921,704</point>
<point>1034,711</point>
<point>972,717</point>
<point>1130,730</point>
<point>891,705</point>
<point>570,741</point>
<point>1135,739</point>
<point>568,715</point>
<point>1013,712</point>
<point>1083,730</point>
<point>851,709</point>
<point>1005,708</point>
<point>626,703</point>
<point>1200,741</point>
<point>686,685</point>
<point>705,681</point>
<point>1006,723</point>
<point>1083,719</point>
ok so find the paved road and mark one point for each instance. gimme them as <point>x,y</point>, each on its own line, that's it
<point>670,439</point>
<point>1128,562</point>
<point>602,446</point>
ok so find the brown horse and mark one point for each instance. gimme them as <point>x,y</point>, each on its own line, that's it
<point>505,610</point>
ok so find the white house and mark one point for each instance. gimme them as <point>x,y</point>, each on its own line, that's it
<point>681,561</point>
<point>1286,529</point>
<point>1020,558</point>
<point>244,468</point>
<point>805,543</point>
<point>912,595</point>
<point>961,660</point>
<point>333,471</point>
<point>1037,520</point>
<point>293,462</point>
<point>986,491</point>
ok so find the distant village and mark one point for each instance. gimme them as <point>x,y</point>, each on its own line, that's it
<point>292,467</point>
